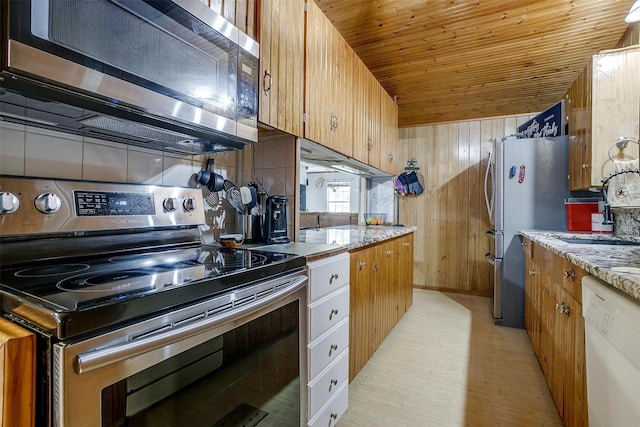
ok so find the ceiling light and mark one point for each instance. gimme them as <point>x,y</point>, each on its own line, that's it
<point>634,12</point>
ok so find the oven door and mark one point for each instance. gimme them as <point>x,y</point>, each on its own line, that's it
<point>199,365</point>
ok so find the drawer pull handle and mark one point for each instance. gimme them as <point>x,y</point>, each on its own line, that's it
<point>334,415</point>
<point>362,265</point>
<point>570,274</point>
<point>532,272</point>
<point>334,347</point>
<point>333,277</point>
<point>333,311</point>
<point>333,383</point>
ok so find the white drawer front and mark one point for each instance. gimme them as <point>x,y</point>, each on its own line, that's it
<point>324,386</point>
<point>327,275</point>
<point>328,347</point>
<point>331,413</point>
<point>327,312</point>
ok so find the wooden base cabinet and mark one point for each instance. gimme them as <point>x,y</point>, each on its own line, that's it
<point>554,322</point>
<point>328,332</point>
<point>381,291</point>
<point>17,375</point>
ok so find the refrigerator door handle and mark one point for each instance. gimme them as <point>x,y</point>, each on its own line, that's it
<point>489,200</point>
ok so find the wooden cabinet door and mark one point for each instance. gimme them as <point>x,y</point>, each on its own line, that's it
<point>549,262</point>
<point>360,110</point>
<point>362,330</point>
<point>573,351</point>
<point>318,74</point>
<point>281,65</point>
<point>405,271</point>
<point>532,295</point>
<point>389,134</point>
<point>17,375</point>
<point>374,147</point>
<point>341,98</point>
<point>615,108</point>
<point>578,109</point>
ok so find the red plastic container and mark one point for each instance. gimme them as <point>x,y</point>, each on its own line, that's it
<point>579,213</point>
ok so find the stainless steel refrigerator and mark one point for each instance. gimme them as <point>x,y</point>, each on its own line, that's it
<point>526,183</point>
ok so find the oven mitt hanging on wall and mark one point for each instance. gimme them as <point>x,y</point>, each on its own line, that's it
<point>403,180</point>
<point>413,184</point>
<point>624,189</point>
<point>399,186</point>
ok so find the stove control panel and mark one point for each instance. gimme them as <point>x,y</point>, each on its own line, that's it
<point>39,206</point>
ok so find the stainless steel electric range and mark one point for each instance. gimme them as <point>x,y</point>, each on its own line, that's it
<point>133,313</point>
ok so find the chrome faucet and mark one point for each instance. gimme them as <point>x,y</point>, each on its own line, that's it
<point>606,211</point>
<point>605,181</point>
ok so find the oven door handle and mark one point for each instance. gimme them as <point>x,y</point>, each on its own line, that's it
<point>90,361</point>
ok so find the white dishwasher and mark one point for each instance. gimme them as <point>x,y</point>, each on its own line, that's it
<point>612,341</point>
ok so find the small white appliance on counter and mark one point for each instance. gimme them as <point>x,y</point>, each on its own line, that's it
<point>525,187</point>
<point>612,350</point>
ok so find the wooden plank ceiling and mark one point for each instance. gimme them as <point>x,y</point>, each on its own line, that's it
<point>466,59</point>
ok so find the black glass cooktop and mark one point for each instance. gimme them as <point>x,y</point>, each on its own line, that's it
<point>129,285</point>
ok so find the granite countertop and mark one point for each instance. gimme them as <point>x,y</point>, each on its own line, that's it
<point>310,251</point>
<point>353,236</point>
<point>323,242</point>
<point>617,265</point>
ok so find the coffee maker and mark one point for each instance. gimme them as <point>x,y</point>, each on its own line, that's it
<point>276,220</point>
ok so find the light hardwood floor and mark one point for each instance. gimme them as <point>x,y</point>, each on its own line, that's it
<point>447,364</point>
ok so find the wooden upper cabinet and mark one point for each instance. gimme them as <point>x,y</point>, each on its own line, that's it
<point>281,97</point>
<point>389,134</point>
<point>361,76</point>
<point>329,84</point>
<point>603,104</point>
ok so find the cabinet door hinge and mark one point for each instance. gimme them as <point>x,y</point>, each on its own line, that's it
<point>304,117</point>
<point>305,7</point>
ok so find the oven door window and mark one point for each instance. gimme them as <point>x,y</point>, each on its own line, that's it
<point>247,376</point>
<point>184,58</point>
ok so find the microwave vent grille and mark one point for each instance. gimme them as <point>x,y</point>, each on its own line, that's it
<point>136,130</point>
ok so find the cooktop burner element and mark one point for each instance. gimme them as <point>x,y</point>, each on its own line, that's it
<point>52,270</point>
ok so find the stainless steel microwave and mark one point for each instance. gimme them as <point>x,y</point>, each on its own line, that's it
<point>165,74</point>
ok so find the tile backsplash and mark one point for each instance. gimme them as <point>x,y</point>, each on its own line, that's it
<point>43,153</point>
<point>31,151</point>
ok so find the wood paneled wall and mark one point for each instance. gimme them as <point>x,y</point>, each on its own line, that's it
<point>451,215</point>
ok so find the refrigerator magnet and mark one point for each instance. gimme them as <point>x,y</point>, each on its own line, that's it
<point>521,176</point>
<point>512,172</point>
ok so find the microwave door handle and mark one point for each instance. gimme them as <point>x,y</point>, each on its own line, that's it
<point>92,360</point>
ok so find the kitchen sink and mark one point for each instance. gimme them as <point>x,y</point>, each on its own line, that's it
<point>599,242</point>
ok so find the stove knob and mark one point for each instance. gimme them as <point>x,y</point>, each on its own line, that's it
<point>189,204</point>
<point>48,203</point>
<point>9,203</point>
<point>170,204</point>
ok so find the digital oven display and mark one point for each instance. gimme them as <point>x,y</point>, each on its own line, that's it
<point>106,203</point>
